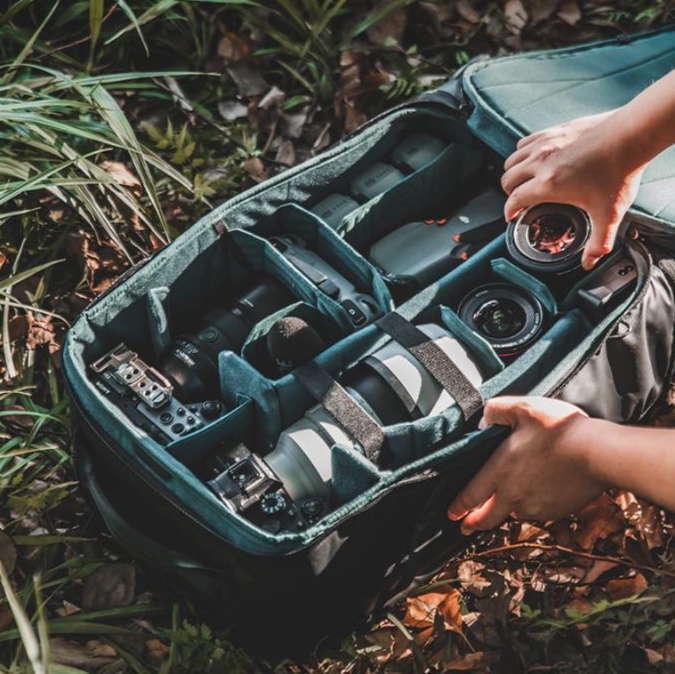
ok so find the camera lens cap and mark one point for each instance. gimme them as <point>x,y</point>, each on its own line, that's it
<point>549,237</point>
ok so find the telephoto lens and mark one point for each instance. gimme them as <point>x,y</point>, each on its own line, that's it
<point>391,385</point>
<point>549,238</point>
<point>192,361</point>
<point>509,318</point>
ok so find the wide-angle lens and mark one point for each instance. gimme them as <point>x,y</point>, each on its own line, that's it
<point>499,317</point>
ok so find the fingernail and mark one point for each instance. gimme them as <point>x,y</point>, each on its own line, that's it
<point>466,530</point>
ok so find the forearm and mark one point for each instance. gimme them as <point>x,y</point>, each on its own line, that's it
<point>637,459</point>
<point>645,126</point>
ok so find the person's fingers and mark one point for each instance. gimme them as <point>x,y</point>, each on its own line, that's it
<point>490,515</point>
<point>516,202</point>
<point>516,176</point>
<point>528,140</point>
<point>479,489</point>
<point>503,411</point>
<point>516,158</point>
<point>600,242</point>
<point>474,494</point>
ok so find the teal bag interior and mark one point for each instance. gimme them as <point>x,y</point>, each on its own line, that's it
<point>518,95</point>
<point>214,260</point>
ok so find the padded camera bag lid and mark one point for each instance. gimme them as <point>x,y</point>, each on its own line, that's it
<point>517,95</point>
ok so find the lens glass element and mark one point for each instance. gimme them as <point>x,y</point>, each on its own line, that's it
<point>551,234</point>
<point>499,317</point>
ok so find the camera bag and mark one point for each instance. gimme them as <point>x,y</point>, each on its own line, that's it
<point>386,528</point>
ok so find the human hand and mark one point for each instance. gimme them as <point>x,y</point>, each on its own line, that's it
<point>539,472</point>
<point>588,162</point>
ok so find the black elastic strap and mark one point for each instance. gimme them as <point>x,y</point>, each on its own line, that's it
<point>435,361</point>
<point>343,408</point>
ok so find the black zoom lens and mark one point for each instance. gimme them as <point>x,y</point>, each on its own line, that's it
<point>192,361</point>
<point>549,237</point>
<point>509,318</point>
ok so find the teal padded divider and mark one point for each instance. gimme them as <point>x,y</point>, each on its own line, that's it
<point>322,239</point>
<point>517,95</point>
<point>510,272</point>
<point>432,191</point>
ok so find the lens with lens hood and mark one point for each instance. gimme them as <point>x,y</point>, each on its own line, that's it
<point>509,318</point>
<point>192,362</point>
<point>549,238</point>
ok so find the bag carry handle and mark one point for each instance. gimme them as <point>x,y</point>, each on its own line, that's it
<point>436,362</point>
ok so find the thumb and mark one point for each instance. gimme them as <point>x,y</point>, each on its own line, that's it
<point>503,411</point>
<point>601,240</point>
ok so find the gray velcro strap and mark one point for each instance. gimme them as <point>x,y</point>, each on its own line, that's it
<point>435,361</point>
<point>343,408</point>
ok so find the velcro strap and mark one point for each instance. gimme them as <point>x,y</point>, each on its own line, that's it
<point>435,361</point>
<point>343,408</point>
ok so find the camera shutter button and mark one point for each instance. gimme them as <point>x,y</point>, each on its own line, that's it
<point>211,409</point>
<point>312,508</point>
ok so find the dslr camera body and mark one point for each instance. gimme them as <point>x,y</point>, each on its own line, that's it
<point>361,308</point>
<point>146,397</point>
<point>247,485</point>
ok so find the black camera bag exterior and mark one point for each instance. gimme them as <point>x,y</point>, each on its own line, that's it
<point>391,530</point>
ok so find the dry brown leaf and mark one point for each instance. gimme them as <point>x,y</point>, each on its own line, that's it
<point>598,520</point>
<point>540,10</point>
<point>532,532</point>
<point>391,642</point>
<point>157,651</point>
<point>42,333</point>
<point>248,78</point>
<point>469,662</point>
<point>599,567</point>
<point>286,153</point>
<point>111,585</point>
<point>619,588</point>
<point>233,47</point>
<point>653,657</point>
<point>7,553</point>
<point>390,28</point>
<point>467,11</point>
<point>121,173</point>
<point>516,16</point>
<point>18,327</point>
<point>6,617</point>
<point>569,12</point>
<point>231,110</point>
<point>580,607</point>
<point>255,168</point>
<point>74,654</point>
<point>422,609</point>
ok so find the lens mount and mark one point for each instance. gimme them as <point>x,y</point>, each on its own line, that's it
<point>549,237</point>
<point>509,318</point>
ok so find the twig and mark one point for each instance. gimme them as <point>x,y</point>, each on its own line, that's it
<point>575,553</point>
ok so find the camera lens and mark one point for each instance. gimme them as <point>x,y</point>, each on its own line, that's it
<point>499,318</point>
<point>549,237</point>
<point>509,318</point>
<point>192,362</point>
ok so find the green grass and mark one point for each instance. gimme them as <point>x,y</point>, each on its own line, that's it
<point>86,88</point>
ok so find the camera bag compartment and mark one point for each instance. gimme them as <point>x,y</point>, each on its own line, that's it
<point>371,548</point>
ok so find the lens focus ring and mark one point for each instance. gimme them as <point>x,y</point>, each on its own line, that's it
<point>549,237</point>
